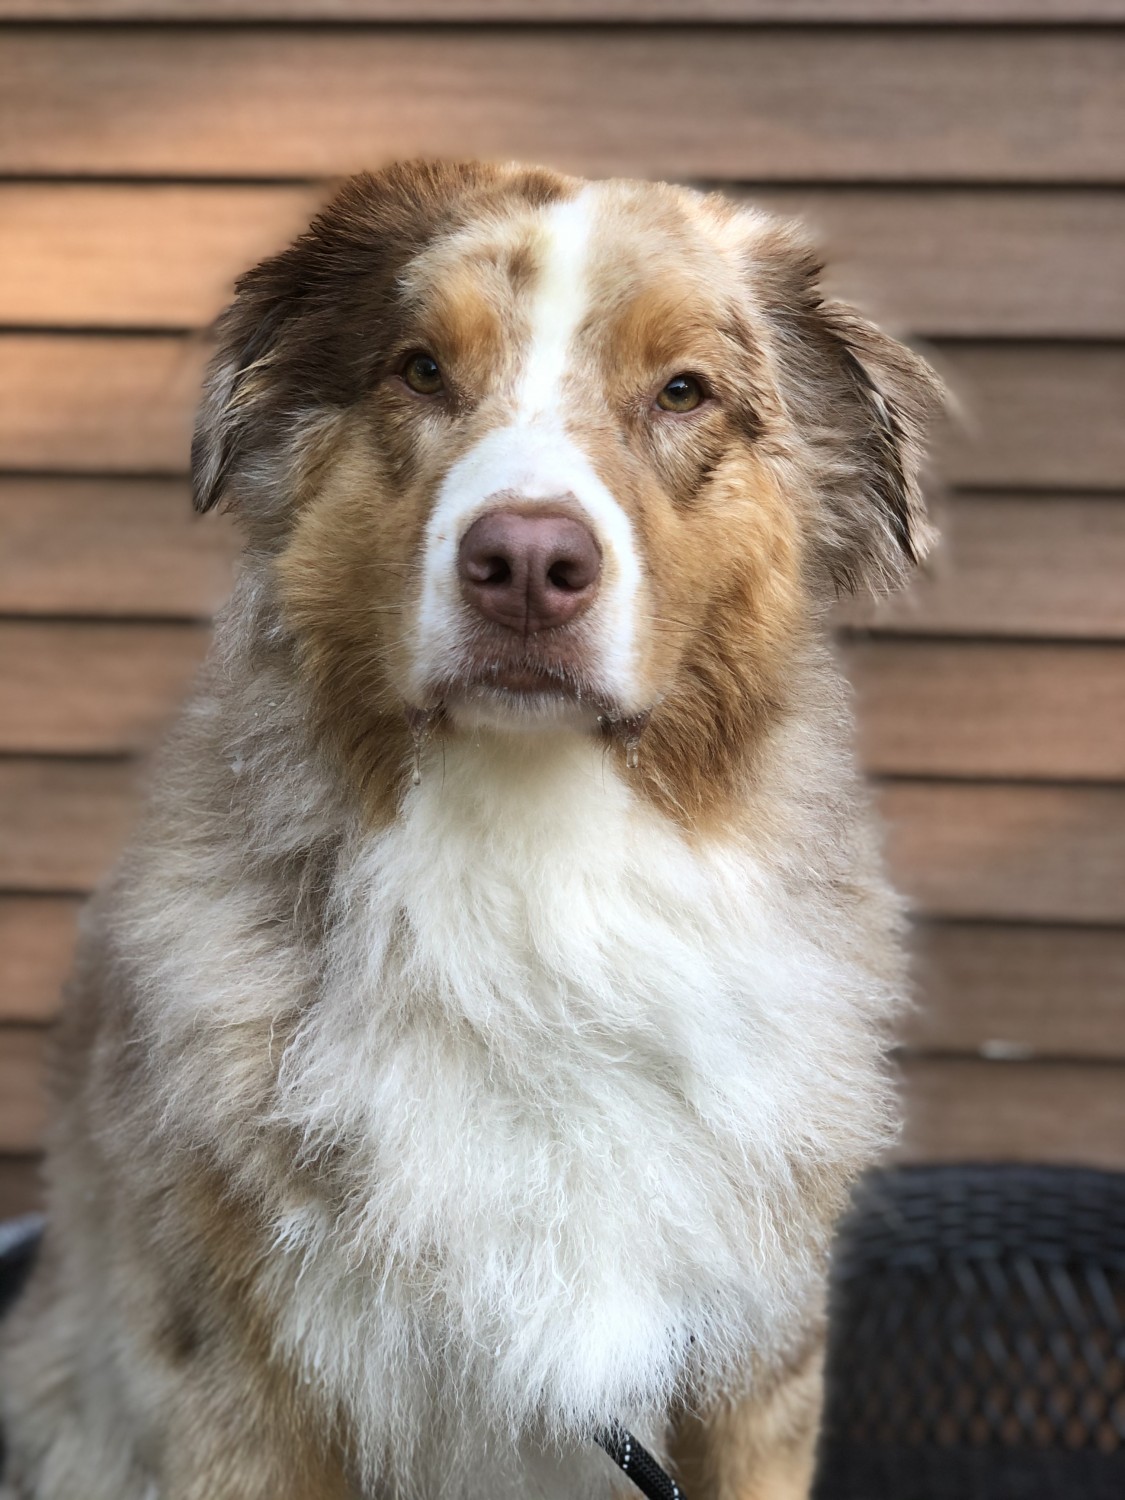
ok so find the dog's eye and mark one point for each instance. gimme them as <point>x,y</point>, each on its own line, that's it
<point>423,374</point>
<point>682,393</point>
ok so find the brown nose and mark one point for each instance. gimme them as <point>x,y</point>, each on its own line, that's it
<point>529,571</point>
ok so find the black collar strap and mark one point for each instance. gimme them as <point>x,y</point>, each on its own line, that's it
<point>634,1459</point>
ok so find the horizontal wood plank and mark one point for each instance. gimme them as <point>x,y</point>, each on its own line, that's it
<point>937,261</point>
<point>1037,415</point>
<point>1069,12</point>
<point>136,255</point>
<point>1015,852</point>
<point>957,1109</point>
<point>1017,565</point>
<point>63,821</point>
<point>1020,852</point>
<point>1018,991</point>
<point>113,547</point>
<point>979,710</point>
<point>22,1094</point>
<point>1005,989</point>
<point>122,404</point>
<point>984,710</point>
<point>755,104</point>
<point>81,689</point>
<point>36,949</point>
<point>972,1110</point>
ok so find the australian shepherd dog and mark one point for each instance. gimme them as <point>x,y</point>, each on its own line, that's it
<point>479,1038</point>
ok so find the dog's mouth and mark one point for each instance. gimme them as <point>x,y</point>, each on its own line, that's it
<point>551,666</point>
<point>526,691</point>
<point>522,688</point>
<point>527,677</point>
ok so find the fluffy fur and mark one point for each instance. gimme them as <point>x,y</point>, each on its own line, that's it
<point>450,1067</point>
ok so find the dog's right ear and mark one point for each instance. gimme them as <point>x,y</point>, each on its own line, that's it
<point>235,385</point>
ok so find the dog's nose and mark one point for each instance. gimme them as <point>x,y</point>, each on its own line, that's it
<point>529,571</point>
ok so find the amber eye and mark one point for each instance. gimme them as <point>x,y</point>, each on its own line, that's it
<point>682,393</point>
<point>422,374</point>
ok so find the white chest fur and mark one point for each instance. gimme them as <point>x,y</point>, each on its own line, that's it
<point>577,1071</point>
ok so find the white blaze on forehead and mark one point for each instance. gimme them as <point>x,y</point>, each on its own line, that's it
<point>538,454</point>
<point>561,299</point>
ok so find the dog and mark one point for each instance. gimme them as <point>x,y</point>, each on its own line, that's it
<point>480,1037</point>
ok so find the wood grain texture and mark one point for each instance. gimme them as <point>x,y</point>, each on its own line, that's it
<point>1017,991</point>
<point>1016,852</point>
<point>81,689</point>
<point>976,850</point>
<point>1025,262</point>
<point>755,104</point>
<point>114,547</point>
<point>36,948</point>
<point>22,1100</point>
<point>122,404</point>
<point>1069,12</point>
<point>63,821</point>
<point>1015,261</point>
<point>21,1186</point>
<point>981,709</point>
<point>1040,415</point>
<point>1020,565</point>
<point>1045,416</point>
<point>149,255</point>
<point>973,1110</point>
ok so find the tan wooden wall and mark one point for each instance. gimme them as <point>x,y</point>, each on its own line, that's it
<point>964,160</point>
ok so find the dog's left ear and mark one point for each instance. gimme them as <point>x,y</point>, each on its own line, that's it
<point>885,401</point>
<point>861,405</point>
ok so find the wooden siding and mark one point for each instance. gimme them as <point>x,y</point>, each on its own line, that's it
<point>159,255</point>
<point>764,103</point>
<point>927,708</point>
<point>1043,414</point>
<point>962,167</point>
<point>604,12</point>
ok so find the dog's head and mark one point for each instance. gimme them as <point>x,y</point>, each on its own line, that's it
<point>527,453</point>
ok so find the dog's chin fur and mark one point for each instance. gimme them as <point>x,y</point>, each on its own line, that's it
<point>581,1104</point>
<point>442,1079</point>
<point>505,712</point>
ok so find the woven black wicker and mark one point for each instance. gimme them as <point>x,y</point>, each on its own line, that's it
<point>978,1337</point>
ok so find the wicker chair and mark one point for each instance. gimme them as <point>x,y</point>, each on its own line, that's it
<point>978,1336</point>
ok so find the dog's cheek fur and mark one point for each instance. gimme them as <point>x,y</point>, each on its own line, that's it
<point>347,586</point>
<point>717,523</point>
<point>727,606</point>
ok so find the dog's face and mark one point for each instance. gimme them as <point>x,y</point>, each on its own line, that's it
<point>528,452</point>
